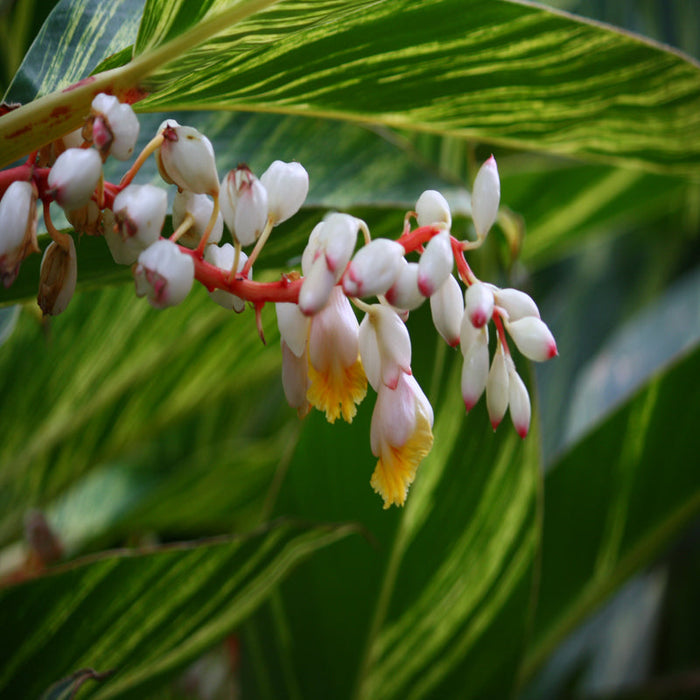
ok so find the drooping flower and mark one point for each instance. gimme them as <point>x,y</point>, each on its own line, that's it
<point>401,436</point>
<point>164,274</point>
<point>18,222</point>
<point>374,268</point>
<point>186,158</point>
<point>435,265</point>
<point>287,185</point>
<point>74,177</point>
<point>244,204</point>
<point>112,127</point>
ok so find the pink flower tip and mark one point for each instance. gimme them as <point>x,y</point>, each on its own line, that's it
<point>552,350</point>
<point>469,404</point>
<point>425,287</point>
<point>495,424</point>
<point>478,319</point>
<point>522,430</point>
<point>454,342</point>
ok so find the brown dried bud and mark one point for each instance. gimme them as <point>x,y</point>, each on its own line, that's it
<point>58,276</point>
<point>87,219</point>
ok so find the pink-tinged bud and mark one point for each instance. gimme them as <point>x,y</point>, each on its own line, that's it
<point>497,388</point>
<point>316,287</point>
<point>244,204</point>
<point>164,274</point>
<point>223,257</point>
<point>74,177</point>
<point>515,303</point>
<point>385,347</point>
<point>374,268</point>
<point>519,401</point>
<point>435,265</point>
<point>287,185</point>
<point>295,380</point>
<point>139,215</point>
<point>432,209</point>
<point>533,338</point>
<point>475,370</point>
<point>486,196</point>
<point>468,335</point>
<point>200,208</point>
<point>186,159</point>
<point>18,222</point>
<point>447,309</point>
<point>338,238</point>
<point>479,304</point>
<point>57,278</point>
<point>404,293</point>
<point>293,326</point>
<point>112,127</point>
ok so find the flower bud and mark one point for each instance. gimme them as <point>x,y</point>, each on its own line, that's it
<point>200,208</point>
<point>519,401</point>
<point>447,309</point>
<point>164,274</point>
<point>316,287</point>
<point>57,277</point>
<point>186,159</point>
<point>287,185</point>
<point>293,326</point>
<point>374,268</point>
<point>338,239</point>
<point>112,127</point>
<point>533,338</point>
<point>139,215</point>
<point>497,388</point>
<point>486,195</point>
<point>223,257</point>
<point>295,379</point>
<point>74,177</point>
<point>475,370</point>
<point>515,303</point>
<point>435,265</point>
<point>18,222</point>
<point>244,204</point>
<point>432,209</point>
<point>404,293</point>
<point>479,304</point>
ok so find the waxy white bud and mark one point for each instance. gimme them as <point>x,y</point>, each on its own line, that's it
<point>475,370</point>
<point>293,326</point>
<point>200,208</point>
<point>533,338</point>
<point>486,196</point>
<point>385,347</point>
<point>479,304</point>
<point>244,204</point>
<point>447,309</point>
<point>338,238</point>
<point>139,214</point>
<point>497,388</point>
<point>74,177</point>
<point>223,257</point>
<point>374,268</point>
<point>18,222</point>
<point>287,185</point>
<point>404,293</point>
<point>316,287</point>
<point>112,127</point>
<point>515,303</point>
<point>164,274</point>
<point>186,159</point>
<point>435,265</point>
<point>57,277</point>
<point>432,209</point>
<point>519,401</point>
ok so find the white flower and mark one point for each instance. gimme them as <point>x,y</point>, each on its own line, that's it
<point>435,265</point>
<point>18,222</point>
<point>447,309</point>
<point>479,304</point>
<point>497,387</point>
<point>533,338</point>
<point>404,293</point>
<point>432,209</point>
<point>519,401</point>
<point>374,268</point>
<point>114,127</point>
<point>515,303</point>
<point>287,185</point>
<point>164,274</point>
<point>475,370</point>
<point>74,177</point>
<point>200,208</point>
<point>244,204</point>
<point>486,196</point>
<point>186,159</point>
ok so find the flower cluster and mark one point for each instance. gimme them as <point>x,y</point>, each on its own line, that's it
<point>328,357</point>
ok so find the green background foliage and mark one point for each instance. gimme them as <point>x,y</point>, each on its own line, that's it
<point>166,434</point>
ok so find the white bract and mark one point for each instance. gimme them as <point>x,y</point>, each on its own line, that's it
<point>164,274</point>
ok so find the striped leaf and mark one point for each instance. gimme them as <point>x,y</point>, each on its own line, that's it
<point>509,73</point>
<point>615,500</point>
<point>143,613</point>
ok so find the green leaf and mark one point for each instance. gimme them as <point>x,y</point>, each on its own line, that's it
<point>144,613</point>
<point>614,500</point>
<point>440,609</point>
